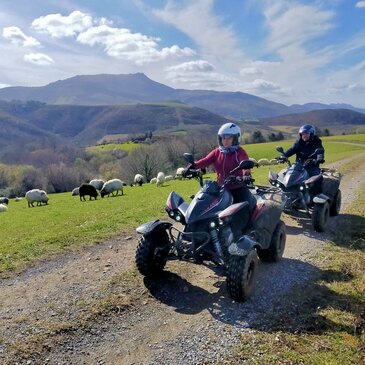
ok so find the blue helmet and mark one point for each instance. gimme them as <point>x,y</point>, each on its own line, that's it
<point>307,128</point>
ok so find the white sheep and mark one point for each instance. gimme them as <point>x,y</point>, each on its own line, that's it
<point>97,183</point>
<point>36,196</point>
<point>153,180</point>
<point>139,179</point>
<point>169,178</point>
<point>160,178</point>
<point>263,162</point>
<point>3,208</point>
<point>179,173</point>
<point>111,186</point>
<point>253,160</point>
<point>75,191</point>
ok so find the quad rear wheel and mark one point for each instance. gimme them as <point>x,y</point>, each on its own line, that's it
<point>336,204</point>
<point>320,216</point>
<point>277,245</point>
<point>241,276</point>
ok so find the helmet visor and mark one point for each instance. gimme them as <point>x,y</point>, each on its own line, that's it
<point>227,136</point>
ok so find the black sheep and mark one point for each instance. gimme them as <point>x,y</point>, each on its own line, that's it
<point>87,189</point>
<point>4,200</point>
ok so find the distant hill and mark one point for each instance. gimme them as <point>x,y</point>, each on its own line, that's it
<point>324,117</point>
<point>106,89</point>
<point>84,125</point>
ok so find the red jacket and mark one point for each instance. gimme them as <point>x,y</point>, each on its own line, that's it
<point>224,163</point>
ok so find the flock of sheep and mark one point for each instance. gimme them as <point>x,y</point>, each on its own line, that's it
<point>111,187</point>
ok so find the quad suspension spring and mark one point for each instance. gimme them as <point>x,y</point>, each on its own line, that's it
<point>217,244</point>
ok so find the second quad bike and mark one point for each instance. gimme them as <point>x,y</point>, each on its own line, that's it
<point>211,228</point>
<point>318,196</point>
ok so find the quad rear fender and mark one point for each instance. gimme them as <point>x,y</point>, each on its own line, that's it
<point>150,226</point>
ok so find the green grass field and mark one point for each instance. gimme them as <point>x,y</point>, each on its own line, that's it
<point>28,234</point>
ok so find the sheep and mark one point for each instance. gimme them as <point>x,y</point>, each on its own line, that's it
<point>4,200</point>
<point>263,162</point>
<point>3,208</point>
<point>87,189</point>
<point>153,180</point>
<point>169,178</point>
<point>18,199</point>
<point>36,196</point>
<point>111,186</point>
<point>160,178</point>
<point>139,179</point>
<point>75,191</point>
<point>179,173</point>
<point>97,183</point>
<point>253,160</point>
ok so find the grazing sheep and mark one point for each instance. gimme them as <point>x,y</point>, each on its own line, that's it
<point>97,183</point>
<point>274,161</point>
<point>139,179</point>
<point>153,180</point>
<point>4,200</point>
<point>87,189</point>
<point>75,191</point>
<point>253,160</point>
<point>169,178</point>
<point>263,162</point>
<point>3,208</point>
<point>160,178</point>
<point>111,186</point>
<point>36,196</point>
<point>179,173</point>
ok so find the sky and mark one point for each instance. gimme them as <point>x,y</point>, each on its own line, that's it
<point>288,51</point>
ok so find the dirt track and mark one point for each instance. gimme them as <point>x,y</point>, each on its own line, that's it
<point>183,318</point>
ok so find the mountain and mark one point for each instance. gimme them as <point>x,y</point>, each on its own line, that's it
<point>106,89</point>
<point>319,118</point>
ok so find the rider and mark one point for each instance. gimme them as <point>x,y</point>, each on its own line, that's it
<point>305,146</point>
<point>225,158</point>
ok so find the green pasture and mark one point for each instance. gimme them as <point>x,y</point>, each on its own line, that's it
<point>29,234</point>
<point>128,147</point>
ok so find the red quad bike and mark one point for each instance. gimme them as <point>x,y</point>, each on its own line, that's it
<point>213,229</point>
<point>318,196</point>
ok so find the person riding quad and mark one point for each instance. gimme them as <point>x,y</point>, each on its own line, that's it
<point>304,148</point>
<point>225,158</point>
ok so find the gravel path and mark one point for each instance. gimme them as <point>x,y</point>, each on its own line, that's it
<point>185,317</point>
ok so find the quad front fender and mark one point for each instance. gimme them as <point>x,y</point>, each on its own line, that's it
<point>149,227</point>
<point>321,199</point>
<point>242,247</point>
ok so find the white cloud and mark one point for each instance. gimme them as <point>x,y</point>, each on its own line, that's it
<point>39,59</point>
<point>192,66</point>
<point>296,25</point>
<point>360,4</point>
<point>121,43</point>
<point>265,87</point>
<point>16,36</point>
<point>4,85</point>
<point>59,26</point>
<point>256,68</point>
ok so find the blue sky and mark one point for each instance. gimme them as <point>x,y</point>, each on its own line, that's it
<point>289,51</point>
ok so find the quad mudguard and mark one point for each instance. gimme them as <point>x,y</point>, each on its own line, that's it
<point>151,226</point>
<point>242,247</point>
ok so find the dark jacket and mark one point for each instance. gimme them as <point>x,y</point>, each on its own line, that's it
<point>304,149</point>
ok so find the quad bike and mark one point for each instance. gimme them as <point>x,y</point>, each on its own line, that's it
<point>213,229</point>
<point>319,196</point>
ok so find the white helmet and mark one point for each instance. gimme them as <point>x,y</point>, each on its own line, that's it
<point>230,129</point>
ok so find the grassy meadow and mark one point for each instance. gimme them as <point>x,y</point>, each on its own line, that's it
<point>29,234</point>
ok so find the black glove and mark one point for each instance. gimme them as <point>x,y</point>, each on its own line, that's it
<point>247,179</point>
<point>187,171</point>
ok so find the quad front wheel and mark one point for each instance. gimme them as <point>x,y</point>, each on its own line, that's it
<point>320,216</point>
<point>151,254</point>
<point>241,276</point>
<point>277,245</point>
